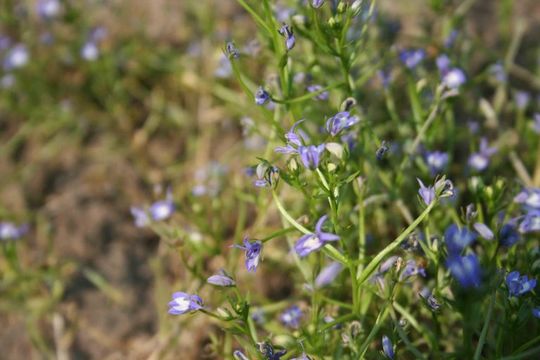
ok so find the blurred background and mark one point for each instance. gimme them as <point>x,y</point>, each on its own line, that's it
<point>105,105</point>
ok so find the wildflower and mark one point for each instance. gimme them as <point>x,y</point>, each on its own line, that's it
<point>293,140</point>
<point>430,300</point>
<point>529,198</point>
<point>497,71</point>
<point>158,211</point>
<point>48,9</point>
<point>314,241</point>
<point>412,243</point>
<point>412,269</point>
<point>221,279</point>
<point>269,353</point>
<point>341,121</point>
<point>291,317</point>
<point>388,263</point>
<point>141,217</point>
<point>388,348</point>
<point>90,51</point>
<point>17,57</point>
<point>311,155</point>
<point>531,222</point>
<point>483,230</point>
<point>443,63</point>
<point>465,269</point>
<point>317,3</point>
<point>451,38</point>
<point>382,150</point>
<point>182,303</point>
<point>519,285</point>
<point>412,58</point>
<point>253,253</point>
<point>522,99</point>
<point>238,355</point>
<point>536,123</point>
<point>508,235</point>
<point>323,95</point>
<point>426,193</point>
<point>261,96</point>
<point>454,78</point>
<point>10,231</point>
<point>287,32</point>
<point>480,160</point>
<point>266,175</point>
<point>457,239</point>
<point>328,274</point>
<point>436,161</point>
<point>231,51</point>
<point>536,312</point>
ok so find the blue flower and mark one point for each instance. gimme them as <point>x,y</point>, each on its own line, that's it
<point>287,32</point>
<point>328,274</point>
<point>508,235</point>
<point>431,301</point>
<point>314,241</point>
<point>341,121</point>
<point>480,160</point>
<point>221,279</point>
<point>536,312</point>
<point>293,141</point>
<point>465,269</point>
<point>158,211</point>
<point>388,348</point>
<point>267,175</point>
<point>316,88</point>
<point>253,253</point>
<point>483,230</point>
<point>231,51</point>
<point>443,63</point>
<point>436,161</point>
<point>317,3</point>
<point>48,9</point>
<point>454,78</point>
<point>519,285</point>
<point>529,198</point>
<point>90,51</point>
<point>531,222</point>
<point>522,99</point>
<point>426,193</point>
<point>291,317</point>
<point>311,155</point>
<point>412,269</point>
<point>261,96</point>
<point>182,303</point>
<point>269,353</point>
<point>238,355</point>
<point>17,57</point>
<point>411,58</point>
<point>457,239</point>
<point>10,231</point>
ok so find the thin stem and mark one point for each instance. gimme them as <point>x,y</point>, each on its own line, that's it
<point>483,334</point>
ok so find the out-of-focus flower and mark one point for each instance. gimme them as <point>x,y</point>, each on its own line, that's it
<point>519,285</point>
<point>530,223</point>
<point>314,241</point>
<point>412,269</point>
<point>382,150</point>
<point>529,198</point>
<point>323,95</point>
<point>291,317</point>
<point>182,303</point>
<point>451,38</point>
<point>498,72</point>
<point>221,279</point>
<point>535,125</point>
<point>311,155</point>
<point>412,58</point>
<point>522,99</point>
<point>328,274</point>
<point>238,355</point>
<point>536,312</point>
<point>508,235</point>
<point>261,96</point>
<point>158,211</point>
<point>48,9</point>
<point>341,121</point>
<point>480,160</point>
<point>224,69</point>
<point>231,51</point>
<point>287,32</point>
<point>465,269</point>
<point>90,51</point>
<point>436,161</point>
<point>443,63</point>
<point>483,230</point>
<point>317,3</point>
<point>253,253</point>
<point>457,239</point>
<point>269,353</point>
<point>388,348</point>
<point>16,57</point>
<point>454,78</point>
<point>10,231</point>
<point>430,299</point>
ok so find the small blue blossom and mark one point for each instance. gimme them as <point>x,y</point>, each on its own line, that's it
<point>287,32</point>
<point>451,38</point>
<point>231,51</point>
<point>443,63</point>
<point>483,230</point>
<point>508,235</point>
<point>221,279</point>
<point>158,211</point>
<point>412,58</point>
<point>341,121</point>
<point>314,241</point>
<point>388,348</point>
<point>529,198</point>
<point>412,269</point>
<point>10,231</point>
<point>317,3</point>
<point>519,285</point>
<point>457,239</point>
<point>322,96</point>
<point>90,51</point>
<point>291,317</point>
<point>269,353</point>
<point>311,155</point>
<point>536,312</point>
<point>430,299</point>
<point>293,141</point>
<point>238,355</point>
<point>48,9</point>
<point>253,253</point>
<point>182,303</point>
<point>261,96</point>
<point>530,223</point>
<point>436,161</point>
<point>16,57</point>
<point>480,160</point>
<point>266,175</point>
<point>522,99</point>
<point>328,274</point>
<point>454,78</point>
<point>426,193</point>
<point>465,269</point>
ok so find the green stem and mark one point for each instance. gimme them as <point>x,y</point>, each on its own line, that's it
<point>483,334</point>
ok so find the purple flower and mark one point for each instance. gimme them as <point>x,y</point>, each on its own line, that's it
<point>480,160</point>
<point>436,161</point>
<point>140,215</point>
<point>158,211</point>
<point>269,353</point>
<point>454,78</point>
<point>529,198</point>
<point>412,269</point>
<point>498,72</point>
<point>508,235</point>
<point>536,123</point>
<point>238,355</point>
<point>317,3</point>
<point>291,317</point>
<point>388,348</point>
<point>328,274</point>
<point>221,279</point>
<point>253,253</point>
<point>10,231</point>
<point>266,175</point>
<point>426,193</point>
<point>385,77</point>
<point>536,312</point>
<point>293,140</point>
<point>431,301</point>
<point>311,155</point>
<point>443,63</point>
<point>451,38</point>
<point>411,58</point>
<point>90,51</point>
<point>388,263</point>
<point>17,57</point>
<point>287,32</point>
<point>522,99</point>
<point>261,96</point>
<point>316,88</point>
<point>182,303</point>
<point>314,241</point>
<point>519,285</point>
<point>457,239</point>
<point>531,222</point>
<point>483,230</point>
<point>465,269</point>
<point>341,121</point>
<point>231,51</point>
<point>48,9</point>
